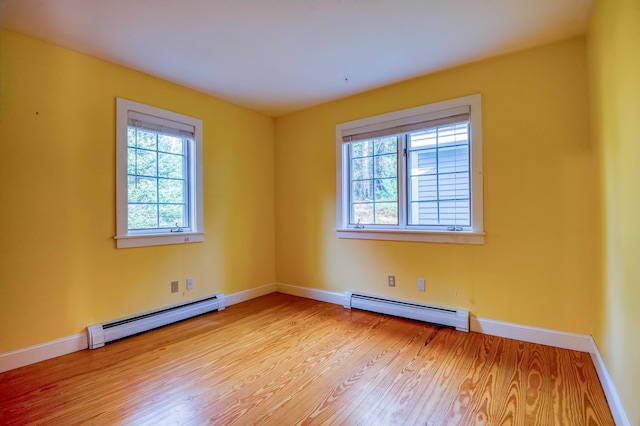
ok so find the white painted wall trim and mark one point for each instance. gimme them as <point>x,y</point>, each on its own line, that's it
<point>42,351</point>
<point>615,404</point>
<point>243,296</point>
<point>311,293</point>
<point>542,336</point>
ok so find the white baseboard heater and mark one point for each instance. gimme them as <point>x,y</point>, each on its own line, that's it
<point>433,314</point>
<point>99,334</point>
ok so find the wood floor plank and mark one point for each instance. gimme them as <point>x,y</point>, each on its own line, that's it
<point>359,385</point>
<point>284,360</point>
<point>353,377</point>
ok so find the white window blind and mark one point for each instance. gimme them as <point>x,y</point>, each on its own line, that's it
<point>159,124</point>
<point>408,124</point>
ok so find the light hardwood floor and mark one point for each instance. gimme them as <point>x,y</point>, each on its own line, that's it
<point>283,360</point>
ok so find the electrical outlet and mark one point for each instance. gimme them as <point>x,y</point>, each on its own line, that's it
<point>392,280</point>
<point>175,286</point>
<point>189,283</point>
<point>421,284</point>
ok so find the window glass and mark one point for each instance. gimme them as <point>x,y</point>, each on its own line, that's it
<point>374,182</point>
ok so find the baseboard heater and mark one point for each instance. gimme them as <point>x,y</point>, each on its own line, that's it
<point>432,314</point>
<point>99,334</point>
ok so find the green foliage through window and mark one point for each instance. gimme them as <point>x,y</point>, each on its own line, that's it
<point>374,181</point>
<point>157,180</point>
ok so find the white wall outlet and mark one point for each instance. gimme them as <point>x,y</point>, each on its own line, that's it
<point>421,284</point>
<point>175,286</point>
<point>392,281</point>
<point>189,283</point>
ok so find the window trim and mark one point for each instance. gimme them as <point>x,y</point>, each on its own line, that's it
<point>136,238</point>
<point>403,118</point>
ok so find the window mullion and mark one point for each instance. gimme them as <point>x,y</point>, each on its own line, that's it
<point>403,184</point>
<point>188,181</point>
<point>438,199</point>
<point>157,185</point>
<point>348,184</point>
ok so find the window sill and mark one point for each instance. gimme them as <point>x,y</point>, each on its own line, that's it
<point>147,240</point>
<point>407,235</point>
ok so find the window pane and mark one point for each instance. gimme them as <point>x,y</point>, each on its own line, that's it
<point>386,165</point>
<point>454,186</point>
<point>362,191</point>
<point>172,215</point>
<point>453,134</point>
<point>170,165</point>
<point>362,213</point>
<point>361,149</point>
<point>453,159</point>
<point>423,162</point>
<point>424,213</point>
<point>139,138</point>
<point>171,191</point>
<point>143,216</point>
<point>424,139</point>
<point>362,168</point>
<point>171,144</point>
<point>386,213</point>
<point>142,190</point>
<point>424,188</point>
<point>386,189</point>
<point>385,145</point>
<point>454,212</point>
<point>141,162</point>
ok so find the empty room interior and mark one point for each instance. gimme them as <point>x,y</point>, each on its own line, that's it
<point>290,164</point>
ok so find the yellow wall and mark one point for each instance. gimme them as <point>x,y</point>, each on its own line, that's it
<point>270,195</point>
<point>614,60</point>
<point>60,270</point>
<point>539,265</point>
<point>557,254</point>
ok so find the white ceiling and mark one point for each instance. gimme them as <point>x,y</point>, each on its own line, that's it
<point>278,56</point>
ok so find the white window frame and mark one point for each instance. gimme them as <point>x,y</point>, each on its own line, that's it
<point>473,235</point>
<point>129,238</point>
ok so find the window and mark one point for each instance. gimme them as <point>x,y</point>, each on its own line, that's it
<point>412,175</point>
<point>158,176</point>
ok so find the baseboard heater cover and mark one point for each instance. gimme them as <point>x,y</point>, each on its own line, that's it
<point>432,314</point>
<point>99,334</point>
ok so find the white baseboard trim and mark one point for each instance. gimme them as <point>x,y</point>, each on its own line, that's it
<point>615,404</point>
<point>42,351</point>
<point>252,293</point>
<point>542,336</point>
<point>311,293</point>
